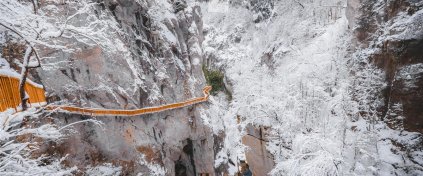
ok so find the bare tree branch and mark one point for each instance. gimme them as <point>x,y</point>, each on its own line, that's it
<point>299,4</point>
<point>30,23</point>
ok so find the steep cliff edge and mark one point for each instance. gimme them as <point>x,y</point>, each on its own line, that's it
<point>392,33</point>
<point>132,54</point>
<point>160,63</point>
<point>386,49</point>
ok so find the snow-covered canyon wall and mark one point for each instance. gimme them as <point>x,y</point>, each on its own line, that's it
<point>157,60</point>
<point>308,74</point>
<point>122,54</point>
<point>310,87</point>
<point>392,34</point>
<point>388,82</point>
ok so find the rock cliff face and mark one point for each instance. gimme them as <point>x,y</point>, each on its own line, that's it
<point>259,159</point>
<point>155,58</point>
<point>389,36</point>
<point>393,31</point>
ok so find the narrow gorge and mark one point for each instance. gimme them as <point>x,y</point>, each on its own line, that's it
<point>298,87</point>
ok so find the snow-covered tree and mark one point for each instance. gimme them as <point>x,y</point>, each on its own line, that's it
<point>66,26</point>
<point>20,139</point>
<point>54,26</point>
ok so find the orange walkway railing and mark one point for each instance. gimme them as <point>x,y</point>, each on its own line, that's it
<point>9,98</point>
<point>118,112</point>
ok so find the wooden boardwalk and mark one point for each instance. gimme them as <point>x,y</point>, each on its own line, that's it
<point>134,112</point>
<point>9,93</point>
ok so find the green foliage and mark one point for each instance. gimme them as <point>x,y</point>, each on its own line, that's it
<point>214,78</point>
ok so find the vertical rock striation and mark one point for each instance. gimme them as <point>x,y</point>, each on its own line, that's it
<point>154,57</point>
